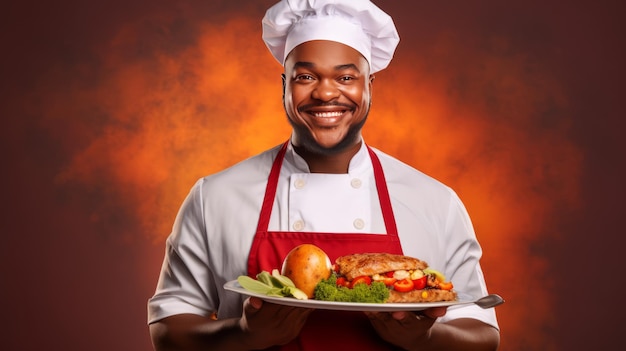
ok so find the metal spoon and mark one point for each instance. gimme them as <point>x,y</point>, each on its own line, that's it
<point>491,300</point>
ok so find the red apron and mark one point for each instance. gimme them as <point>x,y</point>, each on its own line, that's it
<point>343,330</point>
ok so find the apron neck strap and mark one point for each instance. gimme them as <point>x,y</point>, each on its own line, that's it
<point>270,190</point>
<point>383,194</point>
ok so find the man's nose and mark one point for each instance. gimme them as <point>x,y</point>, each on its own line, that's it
<point>326,90</point>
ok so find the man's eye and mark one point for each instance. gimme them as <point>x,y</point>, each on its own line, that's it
<point>304,77</point>
<point>346,78</point>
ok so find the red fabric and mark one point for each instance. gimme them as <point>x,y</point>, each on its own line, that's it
<point>339,329</point>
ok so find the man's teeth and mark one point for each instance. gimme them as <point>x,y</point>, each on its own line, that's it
<point>327,114</point>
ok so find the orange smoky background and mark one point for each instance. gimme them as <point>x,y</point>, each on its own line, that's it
<point>113,111</point>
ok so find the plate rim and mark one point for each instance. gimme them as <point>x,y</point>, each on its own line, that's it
<point>234,286</point>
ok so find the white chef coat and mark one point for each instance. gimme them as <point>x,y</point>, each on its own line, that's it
<point>216,224</point>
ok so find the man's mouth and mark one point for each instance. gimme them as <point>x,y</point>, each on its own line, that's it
<point>329,114</point>
<point>331,110</point>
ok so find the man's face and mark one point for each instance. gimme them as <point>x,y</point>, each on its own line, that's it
<point>327,95</point>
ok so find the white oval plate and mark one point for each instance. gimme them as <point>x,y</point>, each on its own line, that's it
<point>234,286</point>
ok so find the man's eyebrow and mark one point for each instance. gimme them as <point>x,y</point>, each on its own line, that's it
<point>303,64</point>
<point>306,64</point>
<point>347,66</point>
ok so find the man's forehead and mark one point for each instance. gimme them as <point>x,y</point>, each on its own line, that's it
<point>338,67</point>
<point>325,52</point>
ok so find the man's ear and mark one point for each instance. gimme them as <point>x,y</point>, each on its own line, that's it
<point>371,83</point>
<point>284,78</point>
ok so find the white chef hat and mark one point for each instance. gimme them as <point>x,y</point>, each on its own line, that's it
<point>357,23</point>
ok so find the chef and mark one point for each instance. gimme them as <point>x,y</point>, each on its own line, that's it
<point>324,186</point>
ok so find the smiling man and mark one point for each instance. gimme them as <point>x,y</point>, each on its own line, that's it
<point>324,186</point>
<point>327,99</point>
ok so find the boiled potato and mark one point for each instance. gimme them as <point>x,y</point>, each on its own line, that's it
<point>306,265</point>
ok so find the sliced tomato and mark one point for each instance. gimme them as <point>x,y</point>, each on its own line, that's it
<point>389,274</point>
<point>445,286</point>
<point>403,285</point>
<point>341,281</point>
<point>389,281</point>
<point>364,279</point>
<point>420,283</point>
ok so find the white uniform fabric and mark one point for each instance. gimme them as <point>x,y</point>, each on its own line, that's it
<point>214,229</point>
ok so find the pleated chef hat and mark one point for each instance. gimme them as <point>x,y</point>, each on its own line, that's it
<point>357,23</point>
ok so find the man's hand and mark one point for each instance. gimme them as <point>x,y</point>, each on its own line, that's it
<point>266,324</point>
<point>403,328</point>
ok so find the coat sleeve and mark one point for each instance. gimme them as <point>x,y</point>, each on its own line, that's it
<point>184,281</point>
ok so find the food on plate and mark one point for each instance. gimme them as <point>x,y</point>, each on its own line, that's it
<point>367,277</point>
<point>406,279</point>
<point>273,284</point>
<point>306,265</point>
<point>330,290</point>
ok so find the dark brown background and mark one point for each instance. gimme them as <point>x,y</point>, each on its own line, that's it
<point>112,109</point>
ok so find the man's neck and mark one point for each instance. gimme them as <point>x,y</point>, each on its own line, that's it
<point>334,163</point>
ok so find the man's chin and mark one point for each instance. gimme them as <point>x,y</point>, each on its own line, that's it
<point>328,147</point>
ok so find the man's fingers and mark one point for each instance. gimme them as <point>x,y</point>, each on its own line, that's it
<point>399,315</point>
<point>255,303</point>
<point>435,312</point>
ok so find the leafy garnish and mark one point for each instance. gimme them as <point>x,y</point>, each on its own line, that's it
<point>327,290</point>
<point>274,284</point>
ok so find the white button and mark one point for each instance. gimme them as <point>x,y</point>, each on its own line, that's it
<point>359,223</point>
<point>298,225</point>
<point>356,183</point>
<point>299,183</point>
